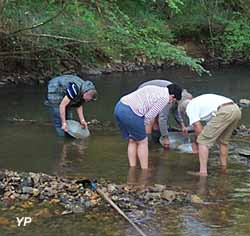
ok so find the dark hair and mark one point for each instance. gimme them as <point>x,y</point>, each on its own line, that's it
<point>175,90</point>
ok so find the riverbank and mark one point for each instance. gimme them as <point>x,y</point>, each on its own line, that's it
<point>76,197</point>
<point>22,77</point>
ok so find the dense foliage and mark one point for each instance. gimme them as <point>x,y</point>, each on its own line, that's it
<point>97,32</point>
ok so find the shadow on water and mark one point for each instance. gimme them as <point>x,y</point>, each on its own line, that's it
<point>33,146</point>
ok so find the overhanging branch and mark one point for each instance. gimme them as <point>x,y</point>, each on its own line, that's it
<point>39,24</point>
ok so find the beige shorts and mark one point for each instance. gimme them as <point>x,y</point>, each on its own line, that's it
<point>220,127</point>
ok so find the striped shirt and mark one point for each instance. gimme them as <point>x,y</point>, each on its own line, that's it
<point>147,101</point>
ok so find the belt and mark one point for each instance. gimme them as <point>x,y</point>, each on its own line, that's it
<point>224,104</point>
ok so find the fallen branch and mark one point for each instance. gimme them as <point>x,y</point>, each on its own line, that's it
<point>39,24</point>
<point>58,37</point>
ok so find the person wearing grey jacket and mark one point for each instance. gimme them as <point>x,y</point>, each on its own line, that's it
<point>64,93</point>
<point>164,114</point>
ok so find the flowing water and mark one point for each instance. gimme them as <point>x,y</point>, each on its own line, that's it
<point>33,146</point>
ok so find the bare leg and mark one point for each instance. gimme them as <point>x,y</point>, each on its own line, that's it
<point>203,157</point>
<point>142,152</point>
<point>132,175</point>
<point>223,156</point>
<point>132,152</point>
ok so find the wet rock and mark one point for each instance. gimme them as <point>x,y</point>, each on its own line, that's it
<point>4,221</point>
<point>244,102</point>
<point>114,198</point>
<point>157,188</point>
<point>196,199</point>
<point>44,213</point>
<point>27,190</point>
<point>35,177</point>
<point>67,212</point>
<point>243,152</point>
<point>44,178</point>
<point>2,175</point>
<point>243,131</point>
<point>27,181</point>
<point>168,195</point>
<point>151,196</point>
<point>35,192</point>
<point>77,208</point>
<point>76,198</point>
<point>48,192</point>
<point>24,196</point>
<point>88,204</point>
<point>111,188</point>
<point>1,189</point>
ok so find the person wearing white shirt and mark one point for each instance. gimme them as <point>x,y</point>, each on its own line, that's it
<point>221,116</point>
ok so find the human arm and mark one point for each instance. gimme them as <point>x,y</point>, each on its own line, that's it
<point>163,124</point>
<point>62,108</point>
<point>79,111</point>
<point>179,119</point>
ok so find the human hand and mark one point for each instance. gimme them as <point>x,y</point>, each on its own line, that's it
<point>165,142</point>
<point>184,130</point>
<point>84,124</point>
<point>64,126</point>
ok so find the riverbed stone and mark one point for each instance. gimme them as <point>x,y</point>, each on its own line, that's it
<point>244,152</point>
<point>168,195</point>
<point>244,102</point>
<point>27,181</point>
<point>70,193</point>
<point>27,189</point>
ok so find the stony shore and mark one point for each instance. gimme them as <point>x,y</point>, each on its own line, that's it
<point>75,198</point>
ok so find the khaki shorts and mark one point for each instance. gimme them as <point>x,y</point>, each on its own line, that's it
<point>220,127</point>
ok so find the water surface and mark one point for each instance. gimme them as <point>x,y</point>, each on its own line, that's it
<point>33,146</point>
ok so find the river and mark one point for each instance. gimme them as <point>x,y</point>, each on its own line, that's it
<point>33,146</point>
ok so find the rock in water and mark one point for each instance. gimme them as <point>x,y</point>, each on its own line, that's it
<point>244,152</point>
<point>244,102</point>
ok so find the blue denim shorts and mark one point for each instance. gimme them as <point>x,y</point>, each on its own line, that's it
<point>131,125</point>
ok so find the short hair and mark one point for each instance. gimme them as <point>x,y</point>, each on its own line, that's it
<point>175,90</point>
<point>94,94</point>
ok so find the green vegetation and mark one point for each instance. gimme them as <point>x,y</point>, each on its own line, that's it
<point>100,32</point>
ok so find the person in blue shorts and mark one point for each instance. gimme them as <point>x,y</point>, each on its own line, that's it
<point>137,110</point>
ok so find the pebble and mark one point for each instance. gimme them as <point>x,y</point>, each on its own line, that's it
<point>75,197</point>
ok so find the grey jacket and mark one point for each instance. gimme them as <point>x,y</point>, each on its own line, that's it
<point>58,85</point>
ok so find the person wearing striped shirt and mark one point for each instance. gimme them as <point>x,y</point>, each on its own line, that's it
<point>136,110</point>
<point>159,128</point>
<point>64,93</point>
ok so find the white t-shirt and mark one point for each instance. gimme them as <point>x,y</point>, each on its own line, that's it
<point>202,107</point>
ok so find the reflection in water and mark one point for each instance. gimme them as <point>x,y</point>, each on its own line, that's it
<point>138,176</point>
<point>202,186</point>
<point>193,227</point>
<point>36,148</point>
<point>72,153</point>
